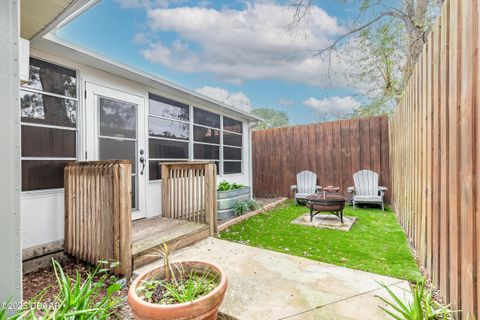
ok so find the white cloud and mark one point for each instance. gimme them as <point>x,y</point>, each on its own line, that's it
<point>335,105</point>
<point>236,99</point>
<point>127,4</point>
<point>286,102</point>
<point>140,38</point>
<point>238,45</point>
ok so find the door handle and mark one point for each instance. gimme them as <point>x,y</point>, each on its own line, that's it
<point>142,161</point>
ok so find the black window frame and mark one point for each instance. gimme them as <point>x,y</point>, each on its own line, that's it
<point>57,161</point>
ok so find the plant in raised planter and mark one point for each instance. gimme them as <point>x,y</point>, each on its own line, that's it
<point>180,290</point>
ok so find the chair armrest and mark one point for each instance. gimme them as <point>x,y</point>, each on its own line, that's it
<point>351,189</point>
<point>381,190</point>
<point>293,188</point>
<point>318,189</point>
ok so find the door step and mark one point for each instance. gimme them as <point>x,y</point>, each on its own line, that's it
<point>150,234</point>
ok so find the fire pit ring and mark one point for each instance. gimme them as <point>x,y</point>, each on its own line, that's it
<point>333,204</point>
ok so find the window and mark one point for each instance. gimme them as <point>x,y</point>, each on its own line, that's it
<point>169,133</point>
<point>48,108</point>
<point>175,134</point>
<point>232,146</point>
<point>206,136</point>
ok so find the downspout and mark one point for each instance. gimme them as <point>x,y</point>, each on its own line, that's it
<point>250,171</point>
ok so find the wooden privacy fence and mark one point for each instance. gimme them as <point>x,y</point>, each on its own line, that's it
<point>189,192</point>
<point>333,150</point>
<point>98,222</point>
<point>435,144</point>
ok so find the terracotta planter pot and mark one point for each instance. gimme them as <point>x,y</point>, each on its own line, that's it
<point>205,307</point>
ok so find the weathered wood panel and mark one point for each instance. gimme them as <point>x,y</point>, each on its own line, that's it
<point>434,152</point>
<point>189,192</point>
<point>333,150</point>
<point>98,221</point>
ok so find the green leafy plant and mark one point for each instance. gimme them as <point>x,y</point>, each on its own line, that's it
<point>422,307</point>
<point>92,298</point>
<point>240,208</point>
<point>253,205</point>
<point>226,186</point>
<point>183,289</point>
<point>176,286</point>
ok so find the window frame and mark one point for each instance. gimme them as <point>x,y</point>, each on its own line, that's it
<point>77,128</point>
<point>191,141</point>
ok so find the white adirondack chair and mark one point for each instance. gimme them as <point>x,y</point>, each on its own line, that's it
<point>306,185</point>
<point>366,189</point>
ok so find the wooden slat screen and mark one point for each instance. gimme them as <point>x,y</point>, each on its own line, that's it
<point>98,222</point>
<point>333,150</point>
<point>189,192</point>
<point>435,146</point>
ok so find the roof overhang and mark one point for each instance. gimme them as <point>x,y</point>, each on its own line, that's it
<point>38,17</point>
<point>56,46</point>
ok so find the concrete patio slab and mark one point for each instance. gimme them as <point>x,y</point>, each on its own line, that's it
<point>264,284</point>
<point>325,221</point>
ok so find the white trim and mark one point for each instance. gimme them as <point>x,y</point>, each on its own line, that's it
<point>170,139</point>
<point>49,158</point>
<point>49,126</point>
<point>166,118</point>
<point>41,193</point>
<point>116,138</point>
<point>46,93</point>
<point>207,143</point>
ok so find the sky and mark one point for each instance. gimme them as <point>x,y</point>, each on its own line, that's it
<point>238,52</point>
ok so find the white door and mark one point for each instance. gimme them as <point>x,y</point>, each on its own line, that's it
<point>115,129</point>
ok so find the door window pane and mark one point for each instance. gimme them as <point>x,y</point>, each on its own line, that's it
<point>168,149</point>
<point>232,125</point>
<point>42,174</point>
<point>48,77</point>
<point>206,118</point>
<point>230,167</point>
<point>48,142</point>
<point>167,128</point>
<point>134,192</point>
<point>206,152</point>
<point>154,170</point>
<point>168,108</point>
<point>44,109</point>
<point>111,149</point>
<point>117,118</point>
<point>232,153</point>
<point>232,139</point>
<point>202,134</point>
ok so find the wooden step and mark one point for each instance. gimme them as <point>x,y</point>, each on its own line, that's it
<point>149,234</point>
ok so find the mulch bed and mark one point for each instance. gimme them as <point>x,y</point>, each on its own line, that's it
<point>35,282</point>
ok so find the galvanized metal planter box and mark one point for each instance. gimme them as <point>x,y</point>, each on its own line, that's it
<point>226,200</point>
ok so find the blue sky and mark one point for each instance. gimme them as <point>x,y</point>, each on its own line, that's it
<point>240,52</point>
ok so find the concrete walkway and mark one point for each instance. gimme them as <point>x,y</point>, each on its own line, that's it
<point>265,285</point>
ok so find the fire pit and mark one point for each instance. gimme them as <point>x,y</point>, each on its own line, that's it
<point>331,203</point>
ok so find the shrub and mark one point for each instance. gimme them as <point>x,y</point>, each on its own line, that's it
<point>225,186</point>
<point>240,208</point>
<point>92,298</point>
<point>423,306</point>
<point>253,205</point>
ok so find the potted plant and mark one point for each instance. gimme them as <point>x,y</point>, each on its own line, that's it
<point>180,290</point>
<point>228,194</point>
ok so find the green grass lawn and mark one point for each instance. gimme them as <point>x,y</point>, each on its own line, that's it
<point>376,243</point>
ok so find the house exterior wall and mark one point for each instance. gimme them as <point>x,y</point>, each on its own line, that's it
<point>42,210</point>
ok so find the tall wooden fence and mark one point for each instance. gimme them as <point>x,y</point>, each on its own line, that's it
<point>333,150</point>
<point>435,146</point>
<point>189,192</point>
<point>98,222</point>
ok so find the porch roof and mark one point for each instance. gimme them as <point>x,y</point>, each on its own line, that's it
<point>37,18</point>
<point>54,45</point>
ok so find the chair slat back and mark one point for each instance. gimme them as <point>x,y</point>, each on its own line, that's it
<point>306,182</point>
<point>366,183</point>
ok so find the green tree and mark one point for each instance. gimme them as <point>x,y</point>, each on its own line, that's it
<point>381,44</point>
<point>271,118</point>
